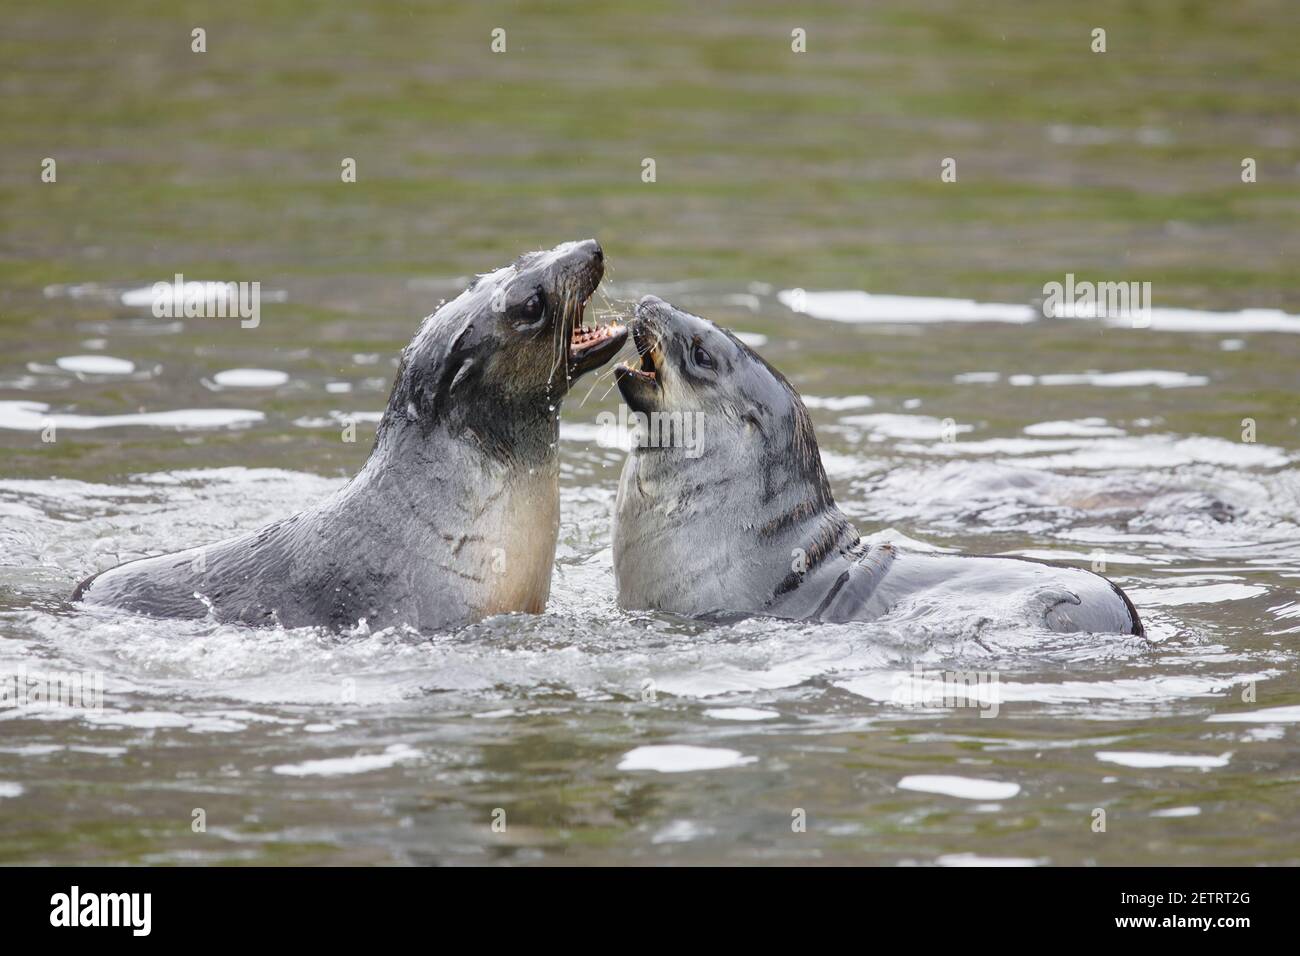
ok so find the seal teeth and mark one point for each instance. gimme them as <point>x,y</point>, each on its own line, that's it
<point>584,338</point>
<point>638,373</point>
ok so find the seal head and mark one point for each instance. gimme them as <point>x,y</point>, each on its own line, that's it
<point>514,342</point>
<point>724,482</point>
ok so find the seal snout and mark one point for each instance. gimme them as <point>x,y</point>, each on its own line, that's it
<point>584,261</point>
<point>649,306</point>
<point>639,382</point>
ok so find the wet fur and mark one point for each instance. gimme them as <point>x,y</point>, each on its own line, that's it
<point>751,526</point>
<point>455,514</point>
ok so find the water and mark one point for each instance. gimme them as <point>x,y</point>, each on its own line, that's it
<point>607,735</point>
<point>598,735</point>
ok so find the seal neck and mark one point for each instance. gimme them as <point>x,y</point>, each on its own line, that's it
<point>435,508</point>
<point>717,535</point>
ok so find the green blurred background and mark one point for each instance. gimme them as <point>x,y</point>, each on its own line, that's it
<point>818,169</point>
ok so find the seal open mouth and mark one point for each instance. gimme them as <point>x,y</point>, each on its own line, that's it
<point>592,347</point>
<point>647,348</point>
<point>639,384</point>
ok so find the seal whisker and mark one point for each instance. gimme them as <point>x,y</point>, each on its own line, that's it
<point>561,333</point>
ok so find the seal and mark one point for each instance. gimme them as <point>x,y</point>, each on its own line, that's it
<point>454,516</point>
<point>724,507</point>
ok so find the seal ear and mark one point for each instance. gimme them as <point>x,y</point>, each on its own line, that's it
<point>429,372</point>
<point>453,367</point>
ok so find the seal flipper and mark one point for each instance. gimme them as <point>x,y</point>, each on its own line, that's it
<point>146,585</point>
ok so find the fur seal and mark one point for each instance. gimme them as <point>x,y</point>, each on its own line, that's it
<point>455,514</point>
<point>723,507</point>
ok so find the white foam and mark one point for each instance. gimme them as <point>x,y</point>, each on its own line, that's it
<point>1150,760</point>
<point>967,788</point>
<point>143,719</point>
<point>346,766</point>
<point>838,403</point>
<point>865,307</point>
<point>35,416</point>
<point>250,378</point>
<point>8,789</point>
<point>680,758</point>
<point>681,831</point>
<point>1269,715</point>
<point>856,306</point>
<point>919,427</point>
<point>1195,320</point>
<point>1139,452</point>
<point>974,859</point>
<point>883,687</point>
<point>1078,427</point>
<point>165,720</point>
<point>95,365</point>
<point>1140,378</point>
<point>1177,812</point>
<point>33,750</point>
<point>740,713</point>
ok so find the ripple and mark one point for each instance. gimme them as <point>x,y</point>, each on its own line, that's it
<point>1202,594</point>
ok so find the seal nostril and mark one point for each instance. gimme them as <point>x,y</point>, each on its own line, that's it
<point>596,251</point>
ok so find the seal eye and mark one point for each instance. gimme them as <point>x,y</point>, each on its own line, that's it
<point>702,358</point>
<point>532,309</point>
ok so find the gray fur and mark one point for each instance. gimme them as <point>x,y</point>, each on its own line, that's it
<point>455,514</point>
<point>746,522</point>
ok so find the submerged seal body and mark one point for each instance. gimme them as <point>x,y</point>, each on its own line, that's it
<point>726,508</point>
<point>455,515</point>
